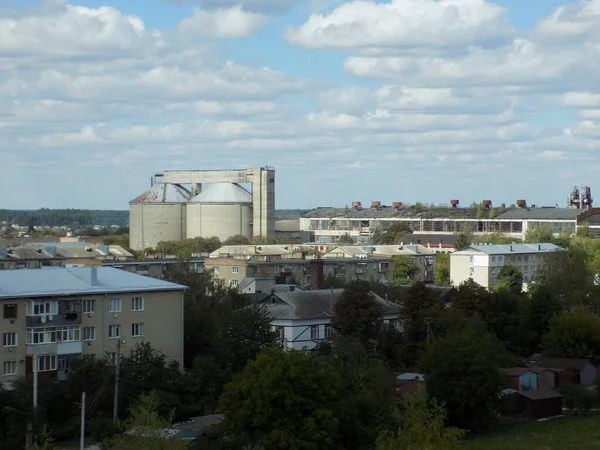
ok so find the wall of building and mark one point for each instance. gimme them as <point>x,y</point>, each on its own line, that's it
<point>465,265</point>
<point>230,270</point>
<point>150,223</point>
<point>222,221</point>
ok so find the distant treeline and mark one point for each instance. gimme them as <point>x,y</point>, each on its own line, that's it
<point>90,217</point>
<point>65,217</point>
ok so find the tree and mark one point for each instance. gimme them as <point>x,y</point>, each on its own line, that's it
<point>346,239</point>
<point>461,371</point>
<point>574,333</point>
<point>422,427</point>
<point>540,234</point>
<point>510,278</point>
<point>442,269</point>
<point>238,239</point>
<point>283,399</point>
<point>404,270</point>
<point>357,314</point>
<point>392,235</point>
<point>464,237</point>
<point>146,429</point>
<point>470,298</point>
<point>493,238</point>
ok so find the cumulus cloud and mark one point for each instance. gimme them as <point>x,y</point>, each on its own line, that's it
<point>403,23</point>
<point>225,23</point>
<point>259,6</point>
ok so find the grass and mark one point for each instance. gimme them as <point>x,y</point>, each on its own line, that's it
<point>562,433</point>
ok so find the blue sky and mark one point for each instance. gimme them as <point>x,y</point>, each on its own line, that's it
<point>398,100</point>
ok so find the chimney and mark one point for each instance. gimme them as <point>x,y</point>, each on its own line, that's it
<point>317,274</point>
<point>356,205</point>
<point>521,203</point>
<point>375,204</point>
<point>396,205</point>
<point>93,276</point>
<point>487,204</point>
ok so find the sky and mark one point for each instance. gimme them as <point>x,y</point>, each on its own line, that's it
<point>396,100</point>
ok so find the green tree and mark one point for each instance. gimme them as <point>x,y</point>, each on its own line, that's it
<point>404,270</point>
<point>540,234</point>
<point>574,333</point>
<point>509,277</point>
<point>146,429</point>
<point>442,269</point>
<point>470,298</point>
<point>238,239</point>
<point>493,238</point>
<point>346,239</point>
<point>393,234</point>
<point>461,371</point>
<point>283,399</point>
<point>357,314</point>
<point>464,237</point>
<point>422,427</point>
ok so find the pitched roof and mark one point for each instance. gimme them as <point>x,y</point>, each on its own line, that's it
<point>76,281</point>
<point>162,193</point>
<point>541,213</point>
<point>554,362</point>
<point>223,193</point>
<point>411,376</point>
<point>516,371</point>
<point>316,304</point>
<point>540,394</point>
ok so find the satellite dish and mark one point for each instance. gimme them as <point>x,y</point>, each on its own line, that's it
<point>50,317</point>
<point>43,319</point>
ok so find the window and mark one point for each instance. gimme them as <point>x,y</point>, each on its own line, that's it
<point>89,333</point>
<point>493,259</point>
<point>327,331</point>
<point>89,306</point>
<point>137,304</point>
<point>112,357</point>
<point>46,363</point>
<point>10,311</point>
<point>115,305</point>
<point>39,336</point>
<point>67,334</point>
<point>137,329</point>
<point>9,367</point>
<point>9,339</point>
<point>314,332</point>
<point>234,282</point>
<point>280,332</point>
<point>235,269</point>
<point>114,331</point>
<point>42,308</point>
<point>216,269</point>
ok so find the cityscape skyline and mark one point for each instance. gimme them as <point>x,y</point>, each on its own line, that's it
<point>348,100</point>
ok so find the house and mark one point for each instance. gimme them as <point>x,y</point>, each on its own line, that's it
<point>50,316</point>
<point>407,383</point>
<point>539,404</point>
<point>303,318</point>
<point>568,370</point>
<point>482,263</point>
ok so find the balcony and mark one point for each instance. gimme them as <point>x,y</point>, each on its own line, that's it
<point>54,348</point>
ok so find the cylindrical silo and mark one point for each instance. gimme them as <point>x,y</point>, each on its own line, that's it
<point>222,210</point>
<point>157,215</point>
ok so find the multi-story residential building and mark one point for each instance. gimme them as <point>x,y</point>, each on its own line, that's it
<point>482,263</point>
<point>51,315</point>
<point>328,225</point>
<point>303,318</point>
<point>156,267</point>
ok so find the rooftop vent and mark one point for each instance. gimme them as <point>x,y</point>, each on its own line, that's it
<point>396,205</point>
<point>487,204</point>
<point>521,203</point>
<point>454,203</point>
<point>356,205</point>
<point>375,204</point>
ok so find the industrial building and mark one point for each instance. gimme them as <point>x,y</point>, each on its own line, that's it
<point>328,225</point>
<point>52,315</point>
<point>183,204</point>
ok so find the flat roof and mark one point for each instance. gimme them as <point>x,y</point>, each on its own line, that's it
<point>509,249</point>
<point>59,281</point>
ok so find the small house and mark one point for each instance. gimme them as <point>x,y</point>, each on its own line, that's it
<point>407,383</point>
<point>522,378</point>
<point>568,370</point>
<point>540,404</point>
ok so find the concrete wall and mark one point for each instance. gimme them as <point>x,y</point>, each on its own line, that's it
<point>150,223</point>
<point>461,265</point>
<point>222,221</point>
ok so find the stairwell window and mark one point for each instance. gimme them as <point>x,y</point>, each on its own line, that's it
<point>114,331</point>
<point>327,331</point>
<point>314,332</point>
<point>115,305</point>
<point>137,304</point>
<point>137,329</point>
<point>9,339</point>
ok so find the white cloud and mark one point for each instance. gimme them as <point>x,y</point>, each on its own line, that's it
<point>403,23</point>
<point>572,22</point>
<point>222,23</point>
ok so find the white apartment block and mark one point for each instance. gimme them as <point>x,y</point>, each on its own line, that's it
<point>482,263</point>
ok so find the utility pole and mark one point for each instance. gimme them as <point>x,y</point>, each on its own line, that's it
<point>117,375</point>
<point>29,439</point>
<point>82,438</point>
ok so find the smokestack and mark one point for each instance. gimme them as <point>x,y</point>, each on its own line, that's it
<point>375,204</point>
<point>317,274</point>
<point>454,203</point>
<point>521,203</point>
<point>356,205</point>
<point>396,205</point>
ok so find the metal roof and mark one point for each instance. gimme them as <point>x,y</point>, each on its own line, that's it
<point>389,212</point>
<point>162,193</point>
<point>541,214</point>
<point>53,281</point>
<point>223,193</point>
<point>316,304</point>
<point>506,249</point>
<point>288,225</point>
<point>411,376</point>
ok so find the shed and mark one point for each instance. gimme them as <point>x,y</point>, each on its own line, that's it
<point>569,370</point>
<point>407,383</point>
<point>540,404</point>
<point>522,378</point>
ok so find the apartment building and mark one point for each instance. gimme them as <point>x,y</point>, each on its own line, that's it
<point>50,316</point>
<point>482,262</point>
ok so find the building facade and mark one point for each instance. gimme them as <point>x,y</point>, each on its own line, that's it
<point>51,316</point>
<point>482,263</point>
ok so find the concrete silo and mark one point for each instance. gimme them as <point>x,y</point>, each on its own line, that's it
<point>157,215</point>
<point>222,209</point>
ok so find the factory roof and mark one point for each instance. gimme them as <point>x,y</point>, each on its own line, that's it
<point>542,213</point>
<point>315,304</point>
<point>287,225</point>
<point>53,281</point>
<point>222,193</point>
<point>162,193</point>
<point>345,251</point>
<point>506,249</point>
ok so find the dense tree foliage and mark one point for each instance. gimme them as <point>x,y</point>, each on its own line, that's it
<point>346,239</point>
<point>461,371</point>
<point>509,278</point>
<point>391,235</point>
<point>65,217</point>
<point>404,270</point>
<point>186,248</point>
<point>574,333</point>
<point>442,269</point>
